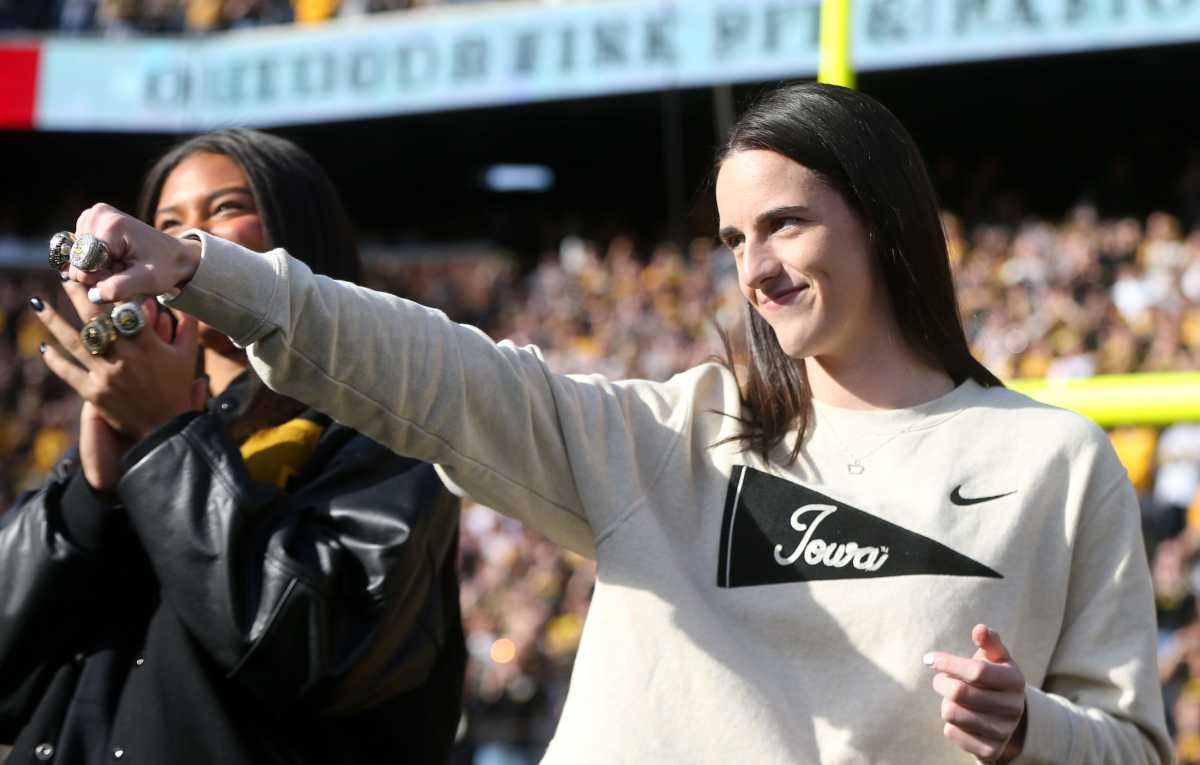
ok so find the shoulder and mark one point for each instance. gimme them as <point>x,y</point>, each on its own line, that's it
<point>710,382</point>
<point>1037,427</point>
<point>688,396</point>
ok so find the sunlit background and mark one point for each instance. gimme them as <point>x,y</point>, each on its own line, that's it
<point>541,170</point>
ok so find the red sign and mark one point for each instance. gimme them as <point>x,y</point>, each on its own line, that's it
<point>18,85</point>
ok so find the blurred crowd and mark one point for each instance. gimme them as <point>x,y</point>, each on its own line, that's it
<point>1075,297</point>
<point>125,17</point>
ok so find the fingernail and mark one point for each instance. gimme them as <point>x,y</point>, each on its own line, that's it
<point>94,295</point>
<point>66,277</point>
<point>37,304</point>
<point>927,660</point>
<point>41,347</point>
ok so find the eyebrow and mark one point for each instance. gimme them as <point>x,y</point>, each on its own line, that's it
<point>219,192</point>
<point>772,214</point>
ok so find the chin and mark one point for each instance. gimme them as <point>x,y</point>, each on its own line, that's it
<point>796,344</point>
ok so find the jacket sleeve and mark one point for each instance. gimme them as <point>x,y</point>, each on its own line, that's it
<point>570,455</point>
<point>57,549</point>
<point>1101,703</point>
<point>325,595</point>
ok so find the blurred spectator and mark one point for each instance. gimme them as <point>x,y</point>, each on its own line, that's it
<point>128,17</point>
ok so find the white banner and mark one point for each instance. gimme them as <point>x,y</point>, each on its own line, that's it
<point>420,61</point>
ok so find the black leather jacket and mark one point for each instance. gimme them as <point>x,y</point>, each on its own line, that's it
<point>203,617</point>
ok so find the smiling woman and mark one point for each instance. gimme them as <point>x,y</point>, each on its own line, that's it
<point>220,573</point>
<point>789,570</point>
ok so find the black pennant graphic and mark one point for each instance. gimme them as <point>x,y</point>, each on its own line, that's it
<point>776,531</point>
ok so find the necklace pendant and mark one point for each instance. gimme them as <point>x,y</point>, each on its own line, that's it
<point>855,468</point>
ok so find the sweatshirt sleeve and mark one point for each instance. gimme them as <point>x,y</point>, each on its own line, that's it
<point>567,455</point>
<point>1101,702</point>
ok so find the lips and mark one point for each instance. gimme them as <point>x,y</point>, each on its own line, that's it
<point>776,300</point>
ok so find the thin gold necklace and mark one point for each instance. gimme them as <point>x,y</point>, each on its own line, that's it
<point>855,466</point>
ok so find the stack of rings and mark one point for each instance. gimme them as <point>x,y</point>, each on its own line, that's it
<point>98,335</point>
<point>85,252</point>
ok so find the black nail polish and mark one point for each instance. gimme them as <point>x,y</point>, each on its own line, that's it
<point>37,304</point>
<point>41,347</point>
<point>66,277</point>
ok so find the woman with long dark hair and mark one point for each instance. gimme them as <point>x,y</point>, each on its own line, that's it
<point>219,573</point>
<point>870,551</point>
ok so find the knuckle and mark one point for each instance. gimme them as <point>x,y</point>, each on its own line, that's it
<point>950,711</point>
<point>958,691</point>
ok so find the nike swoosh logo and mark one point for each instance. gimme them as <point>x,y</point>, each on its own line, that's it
<point>962,501</point>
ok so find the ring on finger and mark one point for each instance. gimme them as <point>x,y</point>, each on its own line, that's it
<point>98,335</point>
<point>128,319</point>
<point>60,249</point>
<point>89,253</point>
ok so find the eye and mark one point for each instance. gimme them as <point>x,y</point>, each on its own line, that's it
<point>785,222</point>
<point>166,224</point>
<point>733,241</point>
<point>229,204</point>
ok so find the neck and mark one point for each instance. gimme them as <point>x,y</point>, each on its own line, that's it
<point>222,368</point>
<point>876,378</point>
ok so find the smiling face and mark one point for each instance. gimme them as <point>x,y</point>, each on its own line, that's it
<point>211,192</point>
<point>802,256</point>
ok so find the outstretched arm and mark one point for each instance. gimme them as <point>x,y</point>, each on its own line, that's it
<point>568,455</point>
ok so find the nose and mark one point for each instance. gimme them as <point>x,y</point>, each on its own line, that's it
<point>758,265</point>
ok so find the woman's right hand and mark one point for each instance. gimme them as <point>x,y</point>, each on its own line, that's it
<point>138,385</point>
<point>142,259</point>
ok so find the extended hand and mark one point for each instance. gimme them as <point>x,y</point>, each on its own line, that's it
<point>983,698</point>
<point>142,259</point>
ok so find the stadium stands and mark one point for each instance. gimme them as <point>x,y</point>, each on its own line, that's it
<point>1074,297</point>
<point>127,17</point>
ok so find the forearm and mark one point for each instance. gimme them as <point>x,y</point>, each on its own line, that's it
<point>55,558</point>
<point>1059,731</point>
<point>398,372</point>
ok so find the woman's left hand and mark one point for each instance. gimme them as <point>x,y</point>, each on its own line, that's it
<point>983,698</point>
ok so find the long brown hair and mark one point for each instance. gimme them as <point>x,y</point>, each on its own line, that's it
<point>860,150</point>
<point>300,210</point>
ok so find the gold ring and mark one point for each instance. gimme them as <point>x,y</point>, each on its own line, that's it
<point>128,319</point>
<point>60,249</point>
<point>98,335</point>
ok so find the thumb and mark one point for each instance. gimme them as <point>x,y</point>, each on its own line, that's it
<point>118,288</point>
<point>199,393</point>
<point>990,645</point>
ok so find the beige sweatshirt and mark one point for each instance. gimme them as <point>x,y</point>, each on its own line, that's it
<point>746,612</point>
